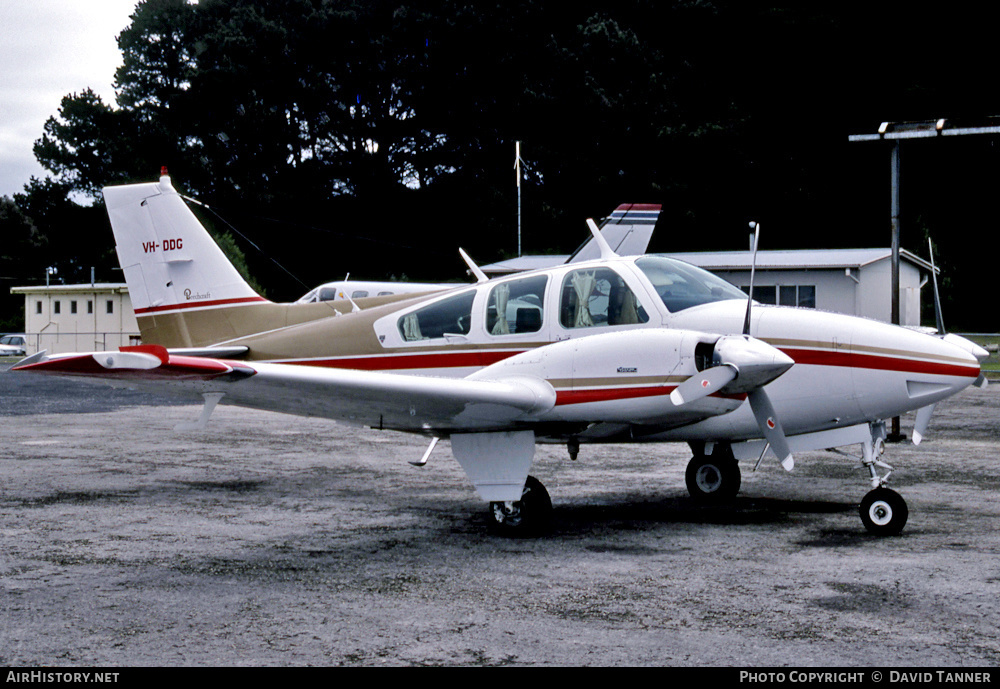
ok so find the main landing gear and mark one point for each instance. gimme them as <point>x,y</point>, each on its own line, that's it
<point>714,477</point>
<point>528,516</point>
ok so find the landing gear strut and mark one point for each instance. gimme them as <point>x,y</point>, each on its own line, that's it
<point>713,477</point>
<point>883,511</point>
<point>528,516</point>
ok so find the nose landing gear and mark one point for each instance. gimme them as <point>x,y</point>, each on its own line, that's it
<point>883,511</point>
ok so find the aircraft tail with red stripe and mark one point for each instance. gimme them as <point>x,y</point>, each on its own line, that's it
<point>185,291</point>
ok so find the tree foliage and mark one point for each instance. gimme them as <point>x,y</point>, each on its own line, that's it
<point>375,137</point>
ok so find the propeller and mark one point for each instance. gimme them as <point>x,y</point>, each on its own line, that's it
<point>705,383</point>
<point>937,297</point>
<point>770,426</point>
<point>743,364</point>
<point>755,226</point>
<point>920,425</point>
<point>752,364</point>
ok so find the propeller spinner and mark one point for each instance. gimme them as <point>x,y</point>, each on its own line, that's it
<point>744,364</point>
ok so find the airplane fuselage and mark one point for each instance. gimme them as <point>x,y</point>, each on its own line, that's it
<point>848,370</point>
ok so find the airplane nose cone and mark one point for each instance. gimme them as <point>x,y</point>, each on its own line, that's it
<point>969,346</point>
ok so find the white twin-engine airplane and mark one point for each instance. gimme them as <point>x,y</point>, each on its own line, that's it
<point>616,349</point>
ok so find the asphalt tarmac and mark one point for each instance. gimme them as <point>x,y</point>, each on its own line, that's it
<point>269,540</point>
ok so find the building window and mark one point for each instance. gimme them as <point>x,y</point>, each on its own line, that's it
<point>55,306</point>
<point>111,306</point>
<point>785,295</point>
<point>807,296</point>
<point>38,307</point>
<point>90,306</point>
<point>72,306</point>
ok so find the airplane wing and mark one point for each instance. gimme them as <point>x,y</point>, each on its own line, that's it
<point>382,400</point>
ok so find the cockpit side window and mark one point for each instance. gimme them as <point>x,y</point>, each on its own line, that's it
<point>328,293</point>
<point>596,297</point>
<point>452,316</point>
<point>681,285</point>
<point>516,306</point>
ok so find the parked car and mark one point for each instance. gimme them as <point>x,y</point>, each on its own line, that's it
<point>12,345</point>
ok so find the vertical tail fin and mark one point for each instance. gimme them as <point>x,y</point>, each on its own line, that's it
<point>627,232</point>
<point>184,290</point>
<point>170,261</point>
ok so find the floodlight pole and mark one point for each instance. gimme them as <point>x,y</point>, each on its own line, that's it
<point>894,175</point>
<point>895,132</point>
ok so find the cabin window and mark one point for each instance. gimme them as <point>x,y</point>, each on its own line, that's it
<point>681,285</point>
<point>384,294</point>
<point>452,316</point>
<point>56,307</point>
<point>597,297</point>
<point>111,306</point>
<point>359,293</point>
<point>516,306</point>
<point>72,306</point>
<point>90,306</point>
<point>38,307</point>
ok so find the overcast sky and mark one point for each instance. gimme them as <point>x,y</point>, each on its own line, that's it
<point>48,49</point>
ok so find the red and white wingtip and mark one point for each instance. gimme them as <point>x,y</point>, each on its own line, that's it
<point>143,362</point>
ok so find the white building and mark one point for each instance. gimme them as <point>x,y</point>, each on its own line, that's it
<point>78,318</point>
<point>852,281</point>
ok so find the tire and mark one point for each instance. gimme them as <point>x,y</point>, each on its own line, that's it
<point>883,512</point>
<point>529,516</point>
<point>713,477</point>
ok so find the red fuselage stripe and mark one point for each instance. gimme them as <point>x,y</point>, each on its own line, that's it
<point>197,305</point>
<point>392,362</point>
<point>608,394</point>
<point>878,363</point>
<point>475,358</point>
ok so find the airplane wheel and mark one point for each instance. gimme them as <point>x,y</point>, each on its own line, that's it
<point>528,516</point>
<point>713,477</point>
<point>884,512</point>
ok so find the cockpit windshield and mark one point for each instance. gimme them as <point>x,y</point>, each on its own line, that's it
<point>682,285</point>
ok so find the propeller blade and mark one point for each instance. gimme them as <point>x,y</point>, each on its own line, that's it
<point>703,384</point>
<point>755,226</point>
<point>770,426</point>
<point>937,297</point>
<point>920,425</point>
